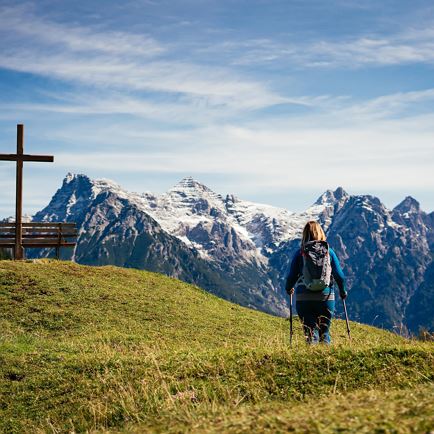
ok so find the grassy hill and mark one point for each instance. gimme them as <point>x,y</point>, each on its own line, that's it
<point>111,349</point>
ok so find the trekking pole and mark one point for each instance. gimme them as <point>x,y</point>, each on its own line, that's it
<point>290,320</point>
<point>346,319</point>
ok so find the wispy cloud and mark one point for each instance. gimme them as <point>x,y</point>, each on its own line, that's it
<point>108,60</point>
<point>184,109</point>
<point>402,103</point>
<point>406,47</point>
<point>17,24</point>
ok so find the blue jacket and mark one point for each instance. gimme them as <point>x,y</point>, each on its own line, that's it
<point>303,293</point>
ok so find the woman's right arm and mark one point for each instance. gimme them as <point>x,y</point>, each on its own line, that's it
<point>294,272</point>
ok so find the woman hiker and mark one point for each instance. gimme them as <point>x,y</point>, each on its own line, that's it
<point>314,269</point>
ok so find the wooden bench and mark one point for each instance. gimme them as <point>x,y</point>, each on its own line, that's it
<point>40,235</point>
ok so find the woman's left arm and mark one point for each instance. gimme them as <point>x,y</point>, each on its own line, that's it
<point>338,274</point>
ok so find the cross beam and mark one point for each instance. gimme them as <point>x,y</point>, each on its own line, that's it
<point>20,157</point>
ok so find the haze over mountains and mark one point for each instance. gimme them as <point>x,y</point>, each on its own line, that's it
<point>241,250</point>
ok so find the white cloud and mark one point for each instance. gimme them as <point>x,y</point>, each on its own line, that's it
<point>116,60</point>
<point>386,106</point>
<point>371,50</point>
<point>405,47</point>
<point>17,23</point>
<point>390,153</point>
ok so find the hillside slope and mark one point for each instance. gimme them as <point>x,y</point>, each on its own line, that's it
<point>241,251</point>
<point>103,348</point>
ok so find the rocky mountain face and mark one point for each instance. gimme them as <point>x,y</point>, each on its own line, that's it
<point>241,250</point>
<point>118,228</point>
<point>384,256</point>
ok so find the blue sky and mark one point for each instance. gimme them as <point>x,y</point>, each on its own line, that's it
<point>274,101</point>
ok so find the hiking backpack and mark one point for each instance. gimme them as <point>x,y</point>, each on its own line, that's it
<point>317,268</point>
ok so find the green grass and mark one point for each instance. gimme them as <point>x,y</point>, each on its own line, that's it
<point>111,349</point>
<point>364,411</point>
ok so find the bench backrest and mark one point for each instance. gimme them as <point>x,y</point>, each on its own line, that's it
<point>40,234</point>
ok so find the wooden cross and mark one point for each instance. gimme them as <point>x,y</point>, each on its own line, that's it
<point>20,157</point>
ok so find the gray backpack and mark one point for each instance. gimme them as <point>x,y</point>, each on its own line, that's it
<point>317,268</point>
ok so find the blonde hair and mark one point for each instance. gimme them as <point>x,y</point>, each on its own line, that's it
<point>312,232</point>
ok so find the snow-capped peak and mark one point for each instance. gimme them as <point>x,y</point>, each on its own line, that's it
<point>189,187</point>
<point>189,183</point>
<point>331,196</point>
<point>70,177</point>
<point>103,184</point>
<point>408,205</point>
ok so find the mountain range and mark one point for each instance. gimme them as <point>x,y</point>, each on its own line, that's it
<point>241,250</point>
